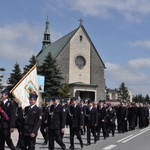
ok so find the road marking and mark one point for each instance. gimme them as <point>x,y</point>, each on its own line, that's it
<point>135,135</point>
<point>144,129</point>
<point>109,147</point>
<point>125,138</point>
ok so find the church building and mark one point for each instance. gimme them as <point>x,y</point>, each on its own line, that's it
<point>80,64</point>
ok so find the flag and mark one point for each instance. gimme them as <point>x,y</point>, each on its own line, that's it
<point>28,84</point>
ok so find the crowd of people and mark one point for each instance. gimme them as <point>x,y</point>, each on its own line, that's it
<point>95,120</point>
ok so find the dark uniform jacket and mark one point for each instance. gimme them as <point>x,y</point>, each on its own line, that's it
<point>9,109</point>
<point>91,116</point>
<point>122,113</point>
<point>101,114</point>
<point>44,115</point>
<point>75,116</point>
<point>111,115</point>
<point>32,119</point>
<point>57,117</point>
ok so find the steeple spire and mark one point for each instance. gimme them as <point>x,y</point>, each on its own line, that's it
<point>81,21</point>
<point>46,39</point>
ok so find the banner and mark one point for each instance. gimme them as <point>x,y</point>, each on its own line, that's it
<point>41,80</point>
<point>28,84</point>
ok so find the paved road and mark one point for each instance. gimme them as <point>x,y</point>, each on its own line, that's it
<point>133,140</point>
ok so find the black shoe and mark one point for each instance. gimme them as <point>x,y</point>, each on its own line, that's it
<point>17,148</point>
<point>95,141</point>
<point>81,145</point>
<point>64,148</point>
<point>71,148</point>
<point>88,144</point>
<point>45,143</point>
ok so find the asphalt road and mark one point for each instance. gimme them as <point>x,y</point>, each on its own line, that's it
<point>139,139</point>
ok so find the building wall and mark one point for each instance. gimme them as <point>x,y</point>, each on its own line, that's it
<point>97,74</point>
<point>63,62</point>
<point>77,48</point>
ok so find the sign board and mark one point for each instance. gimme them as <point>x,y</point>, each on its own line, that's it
<point>41,81</point>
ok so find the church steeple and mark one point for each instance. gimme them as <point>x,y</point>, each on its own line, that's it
<point>46,39</point>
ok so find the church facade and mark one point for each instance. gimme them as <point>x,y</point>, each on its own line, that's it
<point>80,64</point>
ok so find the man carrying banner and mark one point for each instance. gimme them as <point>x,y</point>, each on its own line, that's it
<point>7,121</point>
<point>32,118</point>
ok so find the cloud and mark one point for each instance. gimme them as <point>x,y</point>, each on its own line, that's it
<point>18,41</point>
<point>140,63</point>
<point>141,44</point>
<point>132,10</point>
<point>121,74</point>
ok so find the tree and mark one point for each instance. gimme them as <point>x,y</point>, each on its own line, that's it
<point>147,99</point>
<point>15,76</point>
<point>64,91</point>
<point>123,92</point>
<point>32,62</point>
<point>52,74</point>
<point>1,75</point>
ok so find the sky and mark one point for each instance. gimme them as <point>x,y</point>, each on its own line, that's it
<point>119,30</point>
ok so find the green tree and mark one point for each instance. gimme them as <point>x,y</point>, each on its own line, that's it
<point>123,92</point>
<point>32,62</point>
<point>15,76</point>
<point>1,76</point>
<point>64,91</point>
<point>147,99</point>
<point>138,99</point>
<point>52,74</point>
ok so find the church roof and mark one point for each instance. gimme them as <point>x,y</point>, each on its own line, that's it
<point>55,48</point>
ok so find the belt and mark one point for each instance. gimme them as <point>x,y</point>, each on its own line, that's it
<point>27,127</point>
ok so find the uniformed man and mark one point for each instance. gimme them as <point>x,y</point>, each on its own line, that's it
<point>44,121</point>
<point>7,120</point>
<point>19,118</point>
<point>122,114</point>
<point>83,108</point>
<point>32,118</point>
<point>101,119</point>
<point>75,121</point>
<point>111,117</point>
<point>91,121</point>
<point>56,123</point>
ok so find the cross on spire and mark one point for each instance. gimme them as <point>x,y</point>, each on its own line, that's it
<point>81,21</point>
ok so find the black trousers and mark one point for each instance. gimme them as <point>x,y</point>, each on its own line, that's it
<point>27,142</point>
<point>101,125</point>
<point>44,132</point>
<point>54,134</point>
<point>5,137</point>
<point>73,132</point>
<point>89,130</point>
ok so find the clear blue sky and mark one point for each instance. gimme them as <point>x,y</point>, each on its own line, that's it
<point>119,29</point>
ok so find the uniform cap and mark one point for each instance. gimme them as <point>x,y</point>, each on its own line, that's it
<point>90,101</point>
<point>47,99</point>
<point>6,91</point>
<point>73,99</point>
<point>33,96</point>
<point>55,98</point>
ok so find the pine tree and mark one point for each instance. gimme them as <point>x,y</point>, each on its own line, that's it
<point>15,76</point>
<point>64,91</point>
<point>147,99</point>
<point>52,74</point>
<point>32,62</point>
<point>123,92</point>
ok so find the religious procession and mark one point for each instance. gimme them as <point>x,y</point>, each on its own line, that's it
<point>95,120</point>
